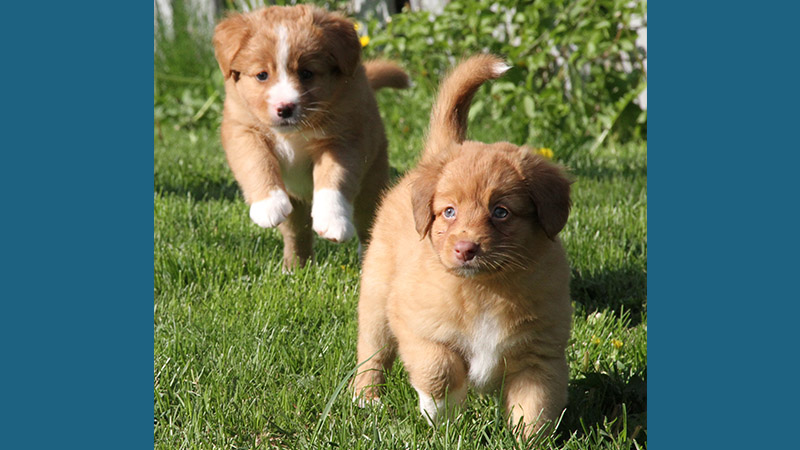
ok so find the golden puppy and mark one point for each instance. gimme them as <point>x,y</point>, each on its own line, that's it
<point>464,275</point>
<point>301,128</point>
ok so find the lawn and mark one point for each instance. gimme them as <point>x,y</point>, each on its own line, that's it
<point>245,355</point>
<point>248,357</point>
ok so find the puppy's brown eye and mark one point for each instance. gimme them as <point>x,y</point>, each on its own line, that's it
<point>449,212</point>
<point>305,75</point>
<point>500,213</point>
<point>262,76</point>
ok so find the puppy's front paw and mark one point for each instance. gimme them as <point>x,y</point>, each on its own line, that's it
<point>438,410</point>
<point>271,211</point>
<point>336,229</point>
<point>331,213</point>
<point>363,402</point>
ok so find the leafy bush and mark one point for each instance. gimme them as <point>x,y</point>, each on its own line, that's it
<point>576,66</point>
<point>186,84</point>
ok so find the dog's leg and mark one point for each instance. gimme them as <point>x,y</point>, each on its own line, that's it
<point>375,181</point>
<point>337,177</point>
<point>298,239</point>
<point>536,395</point>
<point>438,375</point>
<point>376,344</point>
<point>258,173</point>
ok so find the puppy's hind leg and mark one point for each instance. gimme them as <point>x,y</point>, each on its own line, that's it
<point>366,204</point>
<point>298,238</point>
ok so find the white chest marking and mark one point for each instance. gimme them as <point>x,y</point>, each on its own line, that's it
<point>295,159</point>
<point>483,348</point>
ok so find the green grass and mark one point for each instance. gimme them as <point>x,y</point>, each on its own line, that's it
<point>248,357</point>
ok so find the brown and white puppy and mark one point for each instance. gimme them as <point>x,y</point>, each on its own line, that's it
<point>465,275</point>
<point>301,128</point>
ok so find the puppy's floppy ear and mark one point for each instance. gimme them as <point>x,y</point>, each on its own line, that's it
<point>341,40</point>
<point>423,187</point>
<point>229,37</point>
<point>549,189</point>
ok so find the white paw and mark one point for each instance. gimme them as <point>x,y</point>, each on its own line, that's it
<point>331,214</point>
<point>271,211</point>
<point>436,411</point>
<point>362,402</point>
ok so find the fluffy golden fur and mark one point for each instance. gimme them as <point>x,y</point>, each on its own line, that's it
<point>301,128</point>
<point>465,276</point>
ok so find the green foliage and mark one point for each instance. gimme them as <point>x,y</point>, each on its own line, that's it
<point>186,81</point>
<point>567,87</point>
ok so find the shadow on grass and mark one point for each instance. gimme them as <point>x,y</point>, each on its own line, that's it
<point>600,405</point>
<point>600,172</point>
<point>201,189</point>
<point>599,398</point>
<point>612,289</point>
<point>205,188</point>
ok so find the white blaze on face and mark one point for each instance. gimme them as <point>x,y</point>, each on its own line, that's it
<point>284,90</point>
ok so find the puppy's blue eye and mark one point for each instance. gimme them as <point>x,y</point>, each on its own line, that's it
<point>500,213</point>
<point>449,212</point>
<point>262,76</point>
<point>305,75</point>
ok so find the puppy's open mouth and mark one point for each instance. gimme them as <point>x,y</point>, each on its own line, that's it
<point>286,125</point>
<point>468,269</point>
<point>483,265</point>
<point>465,271</point>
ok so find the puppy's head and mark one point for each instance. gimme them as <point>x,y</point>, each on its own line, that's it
<point>287,63</point>
<point>487,208</point>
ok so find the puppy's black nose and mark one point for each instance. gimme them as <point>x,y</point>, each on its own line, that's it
<point>466,250</point>
<point>285,110</point>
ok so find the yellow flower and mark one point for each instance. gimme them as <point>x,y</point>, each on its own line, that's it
<point>364,40</point>
<point>546,152</point>
<point>617,343</point>
<point>595,340</point>
<point>356,26</point>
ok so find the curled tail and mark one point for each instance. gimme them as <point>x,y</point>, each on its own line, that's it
<point>382,73</point>
<point>449,114</point>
